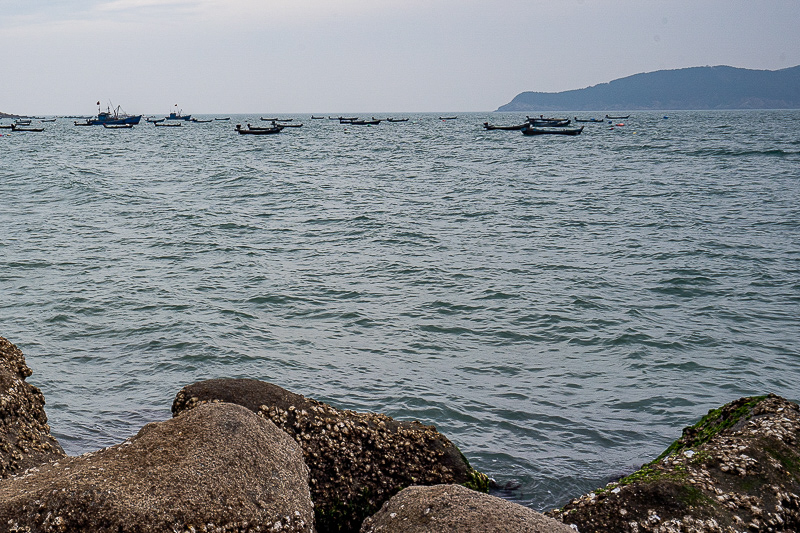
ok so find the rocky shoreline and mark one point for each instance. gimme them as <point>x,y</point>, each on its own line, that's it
<point>247,456</point>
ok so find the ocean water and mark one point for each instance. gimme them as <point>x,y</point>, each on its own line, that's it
<point>559,307</point>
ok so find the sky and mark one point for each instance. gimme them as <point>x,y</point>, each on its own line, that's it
<point>353,56</point>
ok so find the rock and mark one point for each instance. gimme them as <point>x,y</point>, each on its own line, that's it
<point>217,468</point>
<point>736,470</point>
<point>357,460</point>
<point>456,508</point>
<point>25,438</point>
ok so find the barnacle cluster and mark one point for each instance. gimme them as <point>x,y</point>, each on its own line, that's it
<point>745,477</point>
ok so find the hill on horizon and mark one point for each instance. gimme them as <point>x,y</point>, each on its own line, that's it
<point>720,87</point>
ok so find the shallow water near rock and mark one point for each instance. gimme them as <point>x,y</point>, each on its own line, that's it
<point>559,307</point>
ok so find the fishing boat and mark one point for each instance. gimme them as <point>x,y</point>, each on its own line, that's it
<point>617,117</point>
<point>530,130</point>
<point>588,119</point>
<point>548,122</point>
<point>257,131</point>
<point>373,122</point>
<point>226,118</point>
<point>298,125</point>
<point>178,115</point>
<point>168,124</point>
<point>276,119</point>
<point>516,127</point>
<point>317,118</point>
<point>118,126</point>
<point>447,118</point>
<point>201,121</point>
<point>87,123</point>
<point>396,120</point>
<point>154,120</point>
<point>112,116</point>
<point>48,120</point>
<point>23,122</point>
<point>15,127</point>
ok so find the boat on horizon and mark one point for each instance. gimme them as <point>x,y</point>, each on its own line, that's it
<point>515,127</point>
<point>111,116</point>
<point>252,130</point>
<point>531,130</point>
<point>178,115</point>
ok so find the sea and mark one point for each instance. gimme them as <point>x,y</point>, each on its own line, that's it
<point>559,307</point>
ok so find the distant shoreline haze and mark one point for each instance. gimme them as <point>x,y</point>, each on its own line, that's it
<point>693,88</point>
<point>706,88</point>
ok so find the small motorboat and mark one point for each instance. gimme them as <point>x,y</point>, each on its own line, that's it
<point>516,127</point>
<point>226,118</point>
<point>396,120</point>
<point>531,130</point>
<point>87,123</point>
<point>448,118</point>
<point>317,118</point>
<point>257,131</point>
<point>168,124</point>
<point>201,121</point>
<point>155,120</point>
<point>48,120</point>
<point>588,120</point>
<point>548,122</point>
<point>15,127</point>
<point>276,119</point>
<point>373,122</point>
<point>118,126</point>
<point>618,117</point>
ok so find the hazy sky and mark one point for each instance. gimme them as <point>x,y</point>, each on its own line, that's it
<point>338,56</point>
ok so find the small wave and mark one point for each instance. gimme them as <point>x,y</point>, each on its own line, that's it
<point>727,152</point>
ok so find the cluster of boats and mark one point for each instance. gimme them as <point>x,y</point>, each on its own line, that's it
<point>550,126</point>
<point>22,125</point>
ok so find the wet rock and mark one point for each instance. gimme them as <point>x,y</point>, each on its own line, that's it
<point>357,460</point>
<point>736,470</point>
<point>217,468</point>
<point>25,438</point>
<point>455,508</point>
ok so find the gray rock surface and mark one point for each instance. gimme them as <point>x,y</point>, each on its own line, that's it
<point>25,438</point>
<point>736,470</point>
<point>455,508</point>
<point>217,468</point>
<point>357,460</point>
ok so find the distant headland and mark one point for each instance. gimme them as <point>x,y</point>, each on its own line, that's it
<point>719,87</point>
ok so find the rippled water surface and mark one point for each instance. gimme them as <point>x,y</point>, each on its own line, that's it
<point>560,307</point>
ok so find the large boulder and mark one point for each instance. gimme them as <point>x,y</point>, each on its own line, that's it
<point>357,460</point>
<point>217,468</point>
<point>736,470</point>
<point>25,438</point>
<point>456,508</point>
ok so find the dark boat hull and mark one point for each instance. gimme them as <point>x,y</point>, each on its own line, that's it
<point>118,126</point>
<point>257,131</point>
<point>14,127</point>
<point>530,130</point>
<point>517,127</point>
<point>125,120</point>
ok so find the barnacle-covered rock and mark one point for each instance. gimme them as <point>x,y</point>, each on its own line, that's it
<point>736,470</point>
<point>455,508</point>
<point>25,438</point>
<point>357,460</point>
<point>217,468</point>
